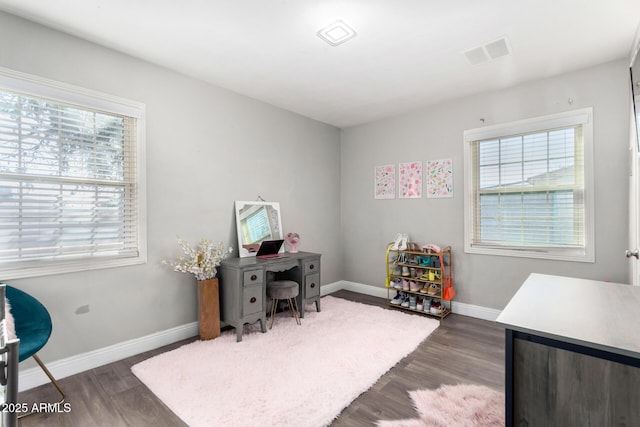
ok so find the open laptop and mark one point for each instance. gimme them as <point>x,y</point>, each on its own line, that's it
<point>270,249</point>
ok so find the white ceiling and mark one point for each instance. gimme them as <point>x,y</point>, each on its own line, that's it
<point>407,53</point>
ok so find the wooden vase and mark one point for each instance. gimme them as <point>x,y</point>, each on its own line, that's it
<point>208,309</point>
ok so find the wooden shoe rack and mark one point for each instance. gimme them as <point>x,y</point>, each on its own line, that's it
<point>421,273</point>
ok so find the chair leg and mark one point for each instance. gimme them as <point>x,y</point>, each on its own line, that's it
<point>53,381</point>
<point>294,310</point>
<point>274,305</point>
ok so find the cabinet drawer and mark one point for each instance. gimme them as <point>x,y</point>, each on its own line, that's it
<point>312,285</point>
<point>252,277</point>
<point>252,300</point>
<point>311,266</point>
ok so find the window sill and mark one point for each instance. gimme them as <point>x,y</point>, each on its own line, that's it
<point>9,273</point>
<point>557,255</point>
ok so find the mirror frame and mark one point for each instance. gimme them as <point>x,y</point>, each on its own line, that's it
<point>243,252</point>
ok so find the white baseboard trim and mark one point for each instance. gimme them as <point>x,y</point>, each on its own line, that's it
<point>33,377</point>
<point>470,310</point>
<point>476,311</point>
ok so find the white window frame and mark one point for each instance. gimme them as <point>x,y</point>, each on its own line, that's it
<point>582,117</point>
<point>39,87</point>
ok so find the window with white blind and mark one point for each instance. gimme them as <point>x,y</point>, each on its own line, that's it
<point>71,178</point>
<point>529,188</point>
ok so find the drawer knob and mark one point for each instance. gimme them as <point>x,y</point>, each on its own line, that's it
<point>253,277</point>
<point>252,300</point>
<point>311,267</point>
<point>313,285</point>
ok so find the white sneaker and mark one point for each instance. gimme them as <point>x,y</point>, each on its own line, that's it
<point>397,241</point>
<point>405,301</point>
<point>403,243</point>
<point>436,307</point>
<point>396,300</point>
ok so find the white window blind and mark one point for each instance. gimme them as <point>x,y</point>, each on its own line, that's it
<point>69,187</point>
<point>257,228</point>
<point>527,191</point>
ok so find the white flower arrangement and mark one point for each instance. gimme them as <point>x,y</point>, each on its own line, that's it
<point>200,261</point>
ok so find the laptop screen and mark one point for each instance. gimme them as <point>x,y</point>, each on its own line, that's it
<point>269,248</point>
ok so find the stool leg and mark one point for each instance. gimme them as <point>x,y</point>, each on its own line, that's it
<point>294,310</point>
<point>53,381</point>
<point>274,305</point>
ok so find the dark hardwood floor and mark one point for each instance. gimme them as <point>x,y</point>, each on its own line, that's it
<point>461,350</point>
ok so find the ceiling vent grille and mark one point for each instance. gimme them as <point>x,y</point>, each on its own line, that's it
<point>489,51</point>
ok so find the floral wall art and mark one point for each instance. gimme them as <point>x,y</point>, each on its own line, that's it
<point>439,178</point>
<point>385,182</point>
<point>411,180</point>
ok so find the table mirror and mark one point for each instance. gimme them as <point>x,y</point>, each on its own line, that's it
<point>255,222</point>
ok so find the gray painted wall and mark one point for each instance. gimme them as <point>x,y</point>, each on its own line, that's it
<point>206,147</point>
<point>437,133</point>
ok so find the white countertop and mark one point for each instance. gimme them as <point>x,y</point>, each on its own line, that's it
<point>590,313</point>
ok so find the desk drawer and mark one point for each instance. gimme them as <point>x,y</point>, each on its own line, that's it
<point>253,277</point>
<point>312,285</point>
<point>252,300</point>
<point>311,266</point>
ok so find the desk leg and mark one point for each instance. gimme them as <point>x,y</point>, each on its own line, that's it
<point>239,331</point>
<point>301,305</point>
<point>318,305</point>
<point>508,383</point>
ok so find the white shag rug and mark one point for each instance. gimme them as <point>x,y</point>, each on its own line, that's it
<point>290,376</point>
<point>464,405</point>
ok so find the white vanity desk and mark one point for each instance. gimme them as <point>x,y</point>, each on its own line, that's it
<point>572,353</point>
<point>243,285</point>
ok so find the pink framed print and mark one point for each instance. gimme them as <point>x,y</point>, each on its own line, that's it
<point>410,180</point>
<point>439,179</point>
<point>385,182</point>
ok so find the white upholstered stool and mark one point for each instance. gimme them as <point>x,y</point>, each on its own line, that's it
<point>283,290</point>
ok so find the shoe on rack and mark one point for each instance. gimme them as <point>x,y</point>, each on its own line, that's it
<point>413,301</point>
<point>405,285</point>
<point>403,243</point>
<point>425,275</point>
<point>405,272</point>
<point>396,283</point>
<point>396,242</point>
<point>397,299</point>
<point>431,248</point>
<point>433,289</point>
<point>405,301</point>
<point>397,270</point>
<point>414,286</point>
<point>425,289</point>
<point>436,307</point>
<point>420,304</point>
<point>413,273</point>
<point>414,247</point>
<point>427,304</point>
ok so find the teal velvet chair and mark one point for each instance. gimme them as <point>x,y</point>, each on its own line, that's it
<point>33,328</point>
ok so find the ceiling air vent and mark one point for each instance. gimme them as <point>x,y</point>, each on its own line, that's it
<point>488,51</point>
